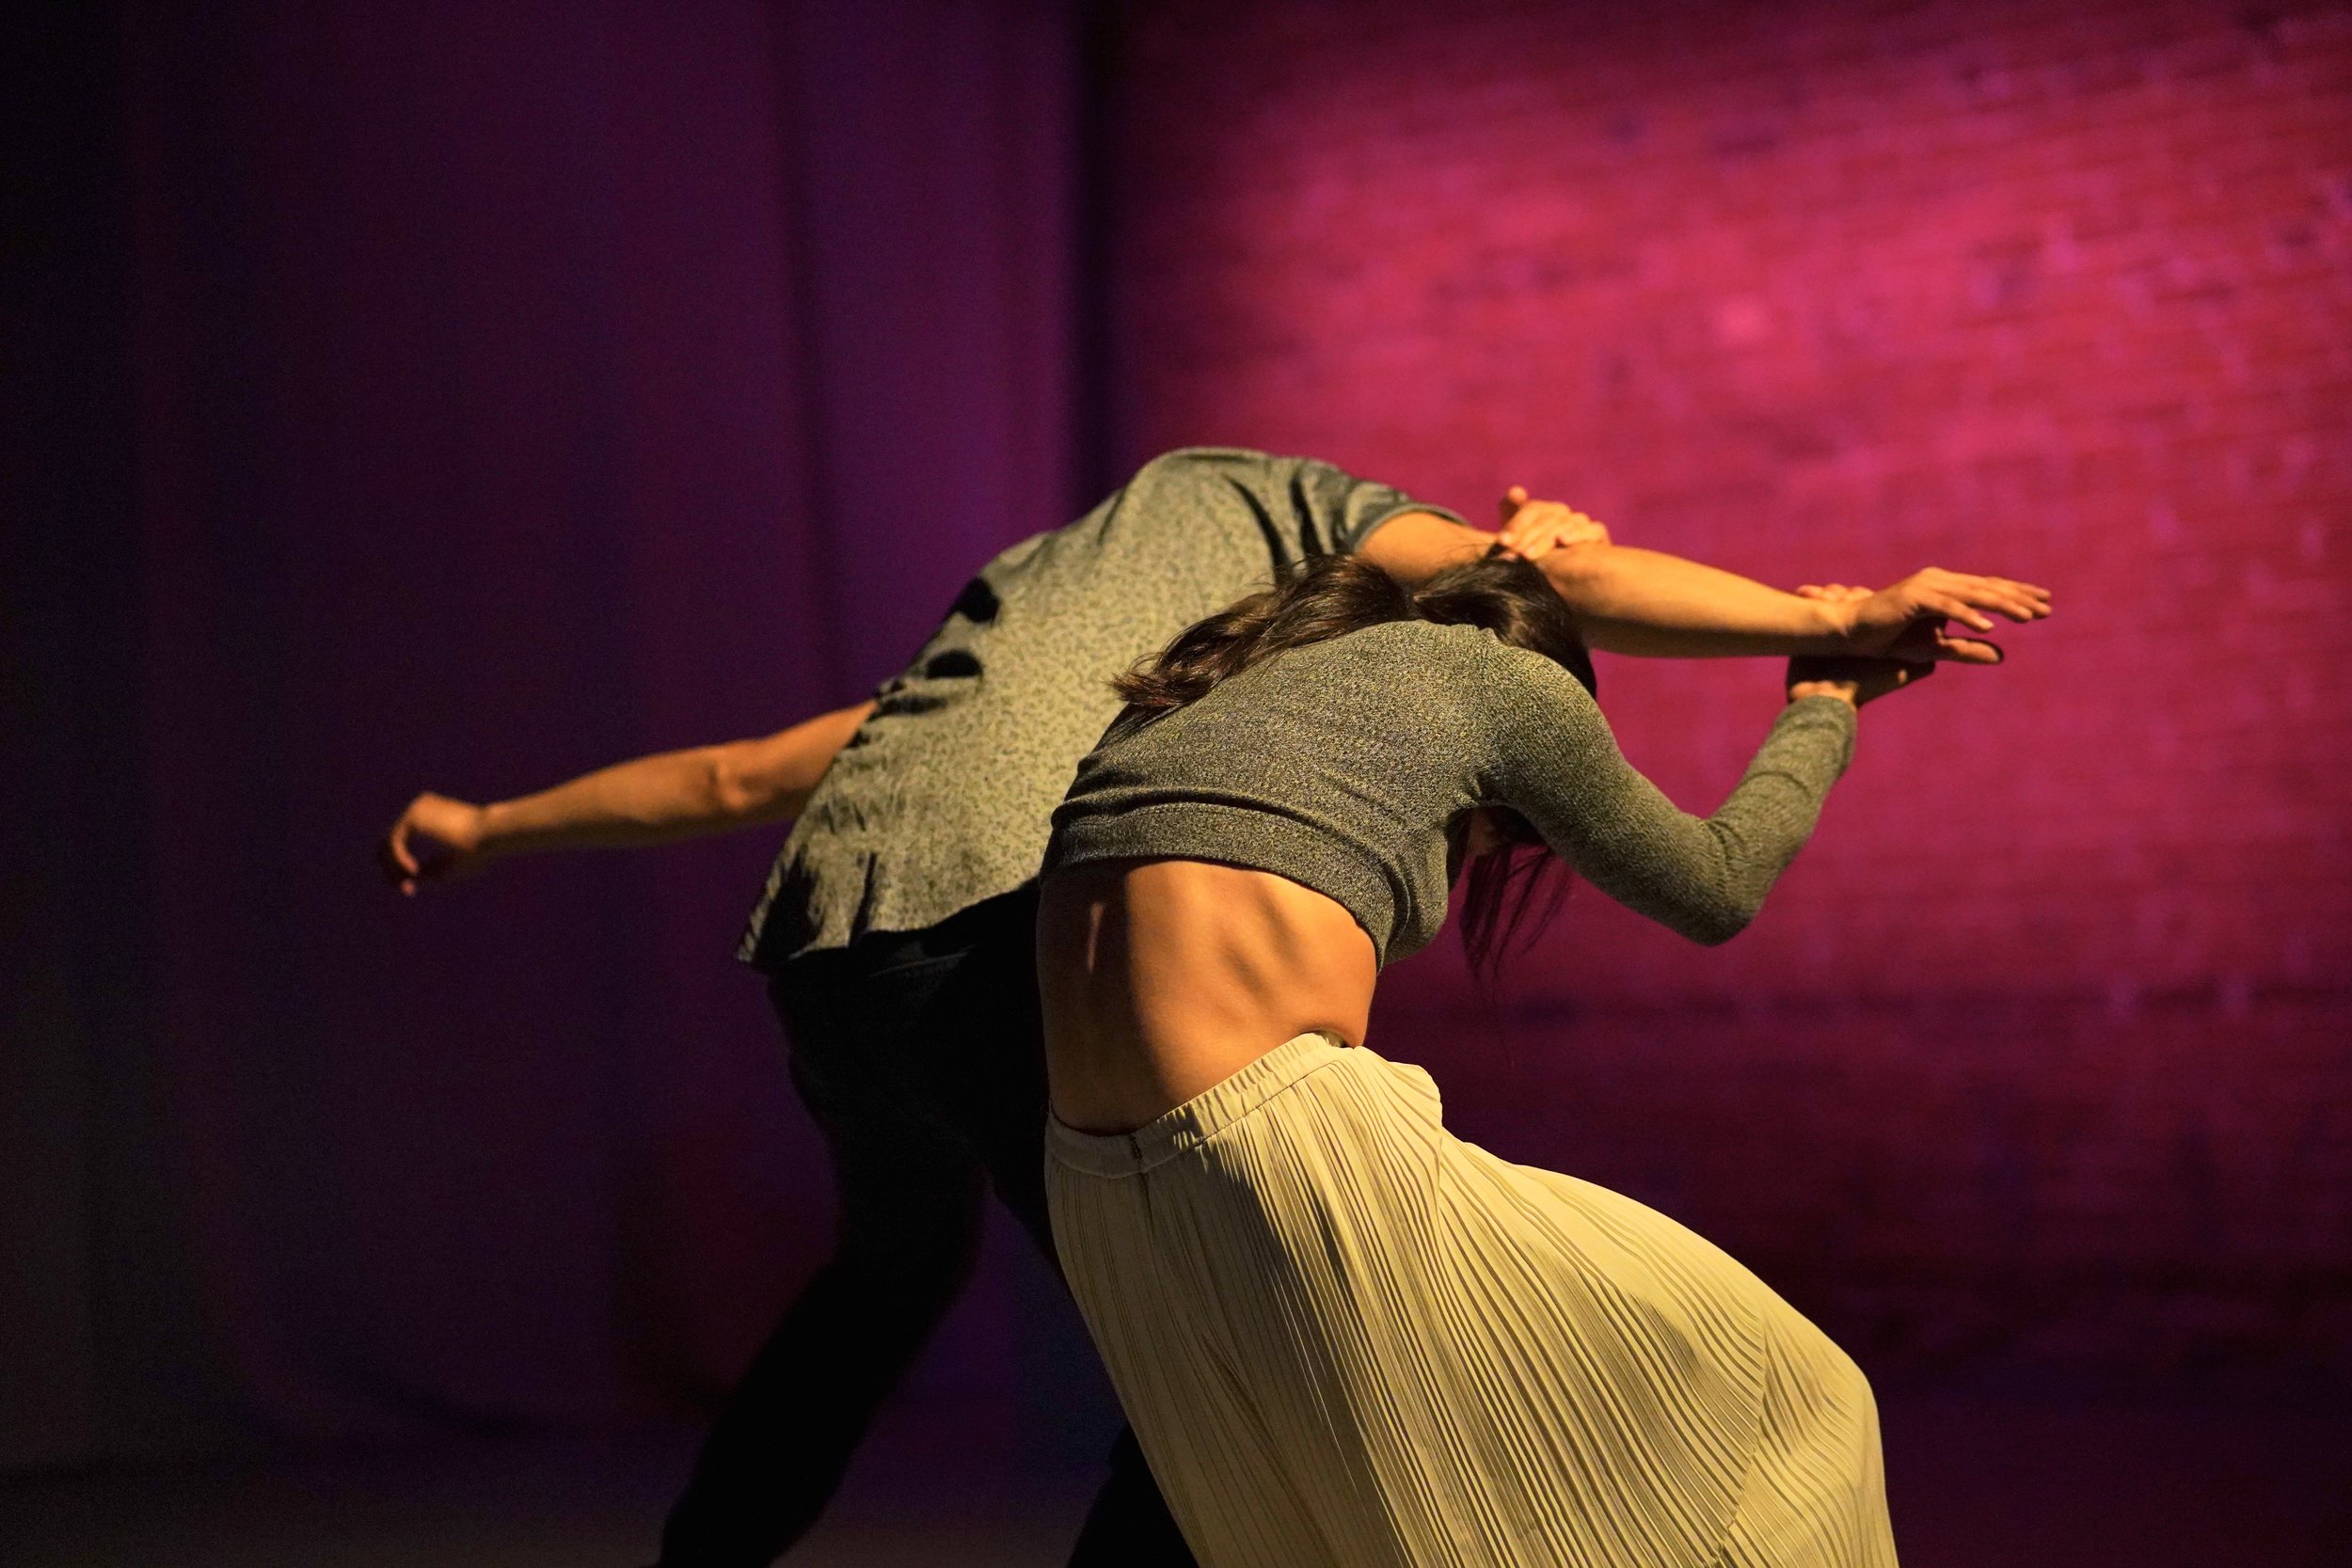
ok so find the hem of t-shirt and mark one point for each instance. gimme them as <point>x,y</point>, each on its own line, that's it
<point>766,948</point>
<point>784,929</point>
<point>1197,830</point>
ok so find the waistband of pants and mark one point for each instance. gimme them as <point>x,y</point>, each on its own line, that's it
<point>1200,1118</point>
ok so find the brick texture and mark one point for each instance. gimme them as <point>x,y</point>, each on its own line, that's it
<point>2041,1053</point>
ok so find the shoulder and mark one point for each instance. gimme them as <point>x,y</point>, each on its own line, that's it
<point>1452,647</point>
<point>1417,653</point>
<point>1242,465</point>
<point>1200,475</point>
<point>1486,675</point>
<point>1188,462</point>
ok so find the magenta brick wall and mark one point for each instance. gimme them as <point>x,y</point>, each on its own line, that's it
<point>2040,1054</point>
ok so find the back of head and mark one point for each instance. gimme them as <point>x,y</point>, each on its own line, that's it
<point>1330,595</point>
<point>1511,598</point>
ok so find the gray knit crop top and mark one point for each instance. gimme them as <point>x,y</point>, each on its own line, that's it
<point>1341,765</point>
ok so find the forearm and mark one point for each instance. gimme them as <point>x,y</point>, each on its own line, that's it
<point>1559,767</point>
<point>674,795</point>
<point>1629,600</point>
<point>651,800</point>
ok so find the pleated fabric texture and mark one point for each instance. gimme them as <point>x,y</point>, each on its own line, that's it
<point>1345,1336</point>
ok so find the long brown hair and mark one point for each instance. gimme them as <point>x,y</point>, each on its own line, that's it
<point>1506,896</point>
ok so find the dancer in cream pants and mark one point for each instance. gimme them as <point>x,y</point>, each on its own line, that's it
<point>1344,1337</point>
<point>1366,1342</point>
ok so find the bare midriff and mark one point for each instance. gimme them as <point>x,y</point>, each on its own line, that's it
<point>1162,978</point>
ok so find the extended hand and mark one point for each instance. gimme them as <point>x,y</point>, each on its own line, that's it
<point>1532,529</point>
<point>436,840</point>
<point>1906,620</point>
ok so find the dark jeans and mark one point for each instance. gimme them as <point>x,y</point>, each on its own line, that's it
<point>922,1058</point>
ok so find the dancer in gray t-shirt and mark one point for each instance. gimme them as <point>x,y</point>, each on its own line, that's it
<point>898,928</point>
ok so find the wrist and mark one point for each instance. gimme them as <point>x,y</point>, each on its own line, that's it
<point>1829,626</point>
<point>1847,692</point>
<point>493,825</point>
<point>1574,569</point>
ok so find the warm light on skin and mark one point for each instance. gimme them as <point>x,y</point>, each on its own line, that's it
<point>1162,978</point>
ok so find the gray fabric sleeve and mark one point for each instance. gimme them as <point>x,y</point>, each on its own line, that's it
<point>1351,508</point>
<point>1556,762</point>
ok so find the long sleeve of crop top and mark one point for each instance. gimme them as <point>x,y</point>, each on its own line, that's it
<point>1554,761</point>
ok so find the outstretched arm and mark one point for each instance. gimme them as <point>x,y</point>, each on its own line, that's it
<point>1556,762</point>
<point>650,799</point>
<point>1636,601</point>
<point>1630,600</point>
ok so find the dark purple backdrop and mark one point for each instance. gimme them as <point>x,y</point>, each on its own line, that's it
<point>2042,1056</point>
<point>458,396</point>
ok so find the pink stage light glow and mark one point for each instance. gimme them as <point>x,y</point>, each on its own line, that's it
<point>2041,1050</point>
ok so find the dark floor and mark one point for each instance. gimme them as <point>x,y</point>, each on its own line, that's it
<point>1978,1481</point>
<point>581,1503</point>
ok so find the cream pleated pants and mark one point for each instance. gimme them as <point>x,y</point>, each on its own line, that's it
<point>1347,1340</point>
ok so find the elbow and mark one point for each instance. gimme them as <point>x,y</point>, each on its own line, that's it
<point>1718,922</point>
<point>732,784</point>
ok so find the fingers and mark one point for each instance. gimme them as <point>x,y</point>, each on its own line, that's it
<point>392,858</point>
<point>396,854</point>
<point>1526,524</point>
<point>1926,641</point>
<point>1956,608</point>
<point>2019,601</point>
<point>1537,527</point>
<point>1966,650</point>
<point>397,847</point>
<point>1529,532</point>
<point>1529,543</point>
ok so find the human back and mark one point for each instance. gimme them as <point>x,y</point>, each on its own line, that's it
<point>1161,978</point>
<point>942,797</point>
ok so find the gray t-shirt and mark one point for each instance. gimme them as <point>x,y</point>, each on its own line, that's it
<point>1342,766</point>
<point>944,798</point>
